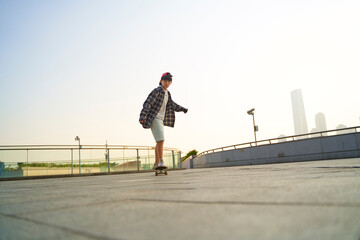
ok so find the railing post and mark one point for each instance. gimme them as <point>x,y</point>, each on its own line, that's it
<point>108,158</point>
<point>173,157</point>
<point>137,161</point>
<point>72,162</point>
<point>2,169</point>
<point>27,162</point>
<point>79,158</point>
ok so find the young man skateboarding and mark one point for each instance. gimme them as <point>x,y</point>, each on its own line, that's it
<point>159,110</point>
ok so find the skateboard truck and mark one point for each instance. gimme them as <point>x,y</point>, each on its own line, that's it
<point>160,170</point>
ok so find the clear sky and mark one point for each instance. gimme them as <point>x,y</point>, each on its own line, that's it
<point>85,67</point>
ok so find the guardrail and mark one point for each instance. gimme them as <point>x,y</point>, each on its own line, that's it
<point>37,160</point>
<point>282,139</point>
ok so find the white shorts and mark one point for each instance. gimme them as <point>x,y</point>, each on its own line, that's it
<point>157,129</point>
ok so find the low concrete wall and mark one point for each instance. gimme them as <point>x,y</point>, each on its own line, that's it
<point>188,163</point>
<point>321,148</point>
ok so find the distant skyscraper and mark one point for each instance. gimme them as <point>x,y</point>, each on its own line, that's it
<point>320,122</point>
<point>300,123</point>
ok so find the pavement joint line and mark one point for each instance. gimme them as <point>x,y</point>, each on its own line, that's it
<point>297,204</point>
<point>133,180</point>
<point>95,203</point>
<point>40,177</point>
<point>175,183</point>
<point>66,229</point>
<point>344,167</point>
<point>69,207</point>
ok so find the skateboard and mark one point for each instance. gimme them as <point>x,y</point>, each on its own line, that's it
<point>160,170</point>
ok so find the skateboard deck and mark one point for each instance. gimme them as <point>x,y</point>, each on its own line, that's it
<point>160,170</point>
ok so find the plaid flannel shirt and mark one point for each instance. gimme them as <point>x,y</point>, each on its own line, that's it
<point>153,104</point>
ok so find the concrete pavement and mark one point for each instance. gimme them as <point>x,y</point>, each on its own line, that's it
<point>306,200</point>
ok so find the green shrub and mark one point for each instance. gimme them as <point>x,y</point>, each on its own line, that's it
<point>191,153</point>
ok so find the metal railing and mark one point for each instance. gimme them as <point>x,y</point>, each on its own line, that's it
<point>282,139</point>
<point>39,160</point>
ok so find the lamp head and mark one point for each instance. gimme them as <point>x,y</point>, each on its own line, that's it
<point>251,111</point>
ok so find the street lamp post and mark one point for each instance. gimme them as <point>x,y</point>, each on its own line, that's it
<point>78,139</point>
<point>251,112</point>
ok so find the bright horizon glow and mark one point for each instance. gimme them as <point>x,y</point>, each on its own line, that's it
<point>84,68</point>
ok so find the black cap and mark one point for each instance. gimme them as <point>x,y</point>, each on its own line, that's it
<point>166,76</point>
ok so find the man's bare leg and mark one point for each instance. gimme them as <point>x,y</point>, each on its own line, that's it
<point>159,151</point>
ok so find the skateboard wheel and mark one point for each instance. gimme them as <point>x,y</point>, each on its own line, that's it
<point>156,173</point>
<point>165,172</point>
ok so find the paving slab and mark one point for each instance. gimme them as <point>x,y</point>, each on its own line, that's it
<point>308,200</point>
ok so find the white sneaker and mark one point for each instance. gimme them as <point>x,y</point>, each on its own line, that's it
<point>155,166</point>
<point>161,164</point>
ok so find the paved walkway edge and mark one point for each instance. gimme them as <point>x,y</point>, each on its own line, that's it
<point>81,175</point>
